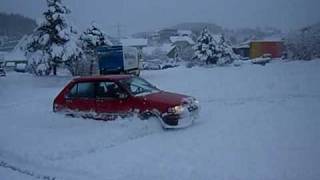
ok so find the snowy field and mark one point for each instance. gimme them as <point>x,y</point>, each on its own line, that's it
<point>256,122</point>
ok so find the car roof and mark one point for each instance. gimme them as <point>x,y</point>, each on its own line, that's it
<point>102,78</point>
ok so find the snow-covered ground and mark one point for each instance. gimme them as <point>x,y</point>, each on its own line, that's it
<point>257,122</point>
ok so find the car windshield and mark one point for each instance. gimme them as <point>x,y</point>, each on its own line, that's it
<point>138,86</point>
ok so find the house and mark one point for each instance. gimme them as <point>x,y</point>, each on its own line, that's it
<point>275,48</point>
<point>257,48</point>
<point>242,49</point>
<point>157,52</point>
<point>12,59</point>
<point>154,38</point>
<point>182,47</point>
<point>16,56</point>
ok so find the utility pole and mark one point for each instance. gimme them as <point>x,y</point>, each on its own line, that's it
<point>119,31</point>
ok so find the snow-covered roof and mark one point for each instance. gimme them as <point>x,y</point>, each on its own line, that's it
<point>134,42</point>
<point>245,44</point>
<point>184,32</point>
<point>240,46</point>
<point>175,39</point>
<point>270,39</point>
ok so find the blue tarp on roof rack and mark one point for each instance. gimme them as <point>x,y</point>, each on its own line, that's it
<point>110,59</point>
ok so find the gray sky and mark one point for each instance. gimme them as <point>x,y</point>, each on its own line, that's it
<point>142,15</point>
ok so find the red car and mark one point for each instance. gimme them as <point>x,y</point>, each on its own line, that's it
<point>107,97</point>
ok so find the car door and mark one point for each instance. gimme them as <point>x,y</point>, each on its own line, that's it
<point>81,97</point>
<point>112,99</point>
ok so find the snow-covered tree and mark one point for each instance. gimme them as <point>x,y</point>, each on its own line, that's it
<point>213,49</point>
<point>93,37</point>
<point>54,42</point>
<point>204,47</point>
<point>90,39</point>
<point>223,50</point>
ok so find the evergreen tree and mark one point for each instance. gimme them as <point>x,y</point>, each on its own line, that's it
<point>204,48</point>
<point>223,51</point>
<point>90,39</point>
<point>213,49</point>
<point>54,41</point>
<point>93,37</point>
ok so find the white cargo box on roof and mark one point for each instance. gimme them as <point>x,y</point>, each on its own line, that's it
<point>130,56</point>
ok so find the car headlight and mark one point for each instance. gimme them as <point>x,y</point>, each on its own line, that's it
<point>196,102</point>
<point>176,110</point>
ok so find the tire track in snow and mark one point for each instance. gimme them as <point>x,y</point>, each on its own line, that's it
<point>147,131</point>
<point>14,168</point>
<point>74,155</point>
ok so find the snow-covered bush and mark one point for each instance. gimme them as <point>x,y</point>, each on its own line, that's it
<point>90,39</point>
<point>211,49</point>
<point>54,41</point>
<point>304,44</point>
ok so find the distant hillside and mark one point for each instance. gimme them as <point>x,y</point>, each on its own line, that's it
<point>197,27</point>
<point>240,35</point>
<point>234,36</point>
<point>14,25</point>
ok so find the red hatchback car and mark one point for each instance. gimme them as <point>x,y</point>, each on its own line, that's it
<point>107,97</point>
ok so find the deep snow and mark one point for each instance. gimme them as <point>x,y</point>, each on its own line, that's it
<point>256,122</point>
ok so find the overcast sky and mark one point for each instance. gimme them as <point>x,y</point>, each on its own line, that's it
<point>143,15</point>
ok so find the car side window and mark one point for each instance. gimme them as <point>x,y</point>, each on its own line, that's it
<point>73,91</point>
<point>109,90</point>
<point>83,90</point>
